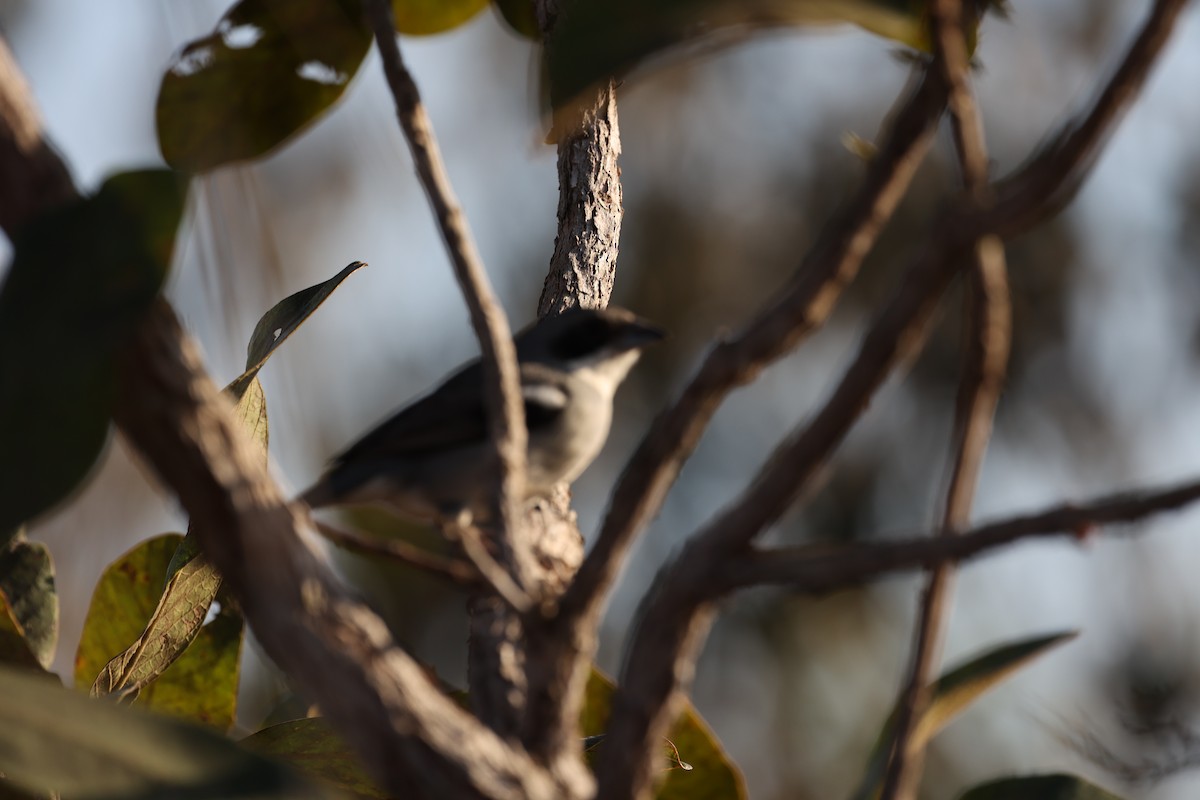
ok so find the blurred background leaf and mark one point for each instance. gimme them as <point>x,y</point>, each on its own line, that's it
<point>1039,787</point>
<point>268,71</point>
<point>56,739</point>
<point>520,16</point>
<point>28,599</point>
<point>80,280</point>
<point>311,747</point>
<point>421,17</point>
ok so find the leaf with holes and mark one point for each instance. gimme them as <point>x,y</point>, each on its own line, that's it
<point>282,321</point>
<point>81,279</point>
<point>269,70</point>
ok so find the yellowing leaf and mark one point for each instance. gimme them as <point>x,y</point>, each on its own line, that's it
<point>199,682</point>
<point>422,17</point>
<point>690,741</point>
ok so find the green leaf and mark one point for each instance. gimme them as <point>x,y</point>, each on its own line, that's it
<point>1039,787</point>
<point>176,621</point>
<point>199,682</point>
<point>81,280</point>
<point>602,39</point>
<point>712,776</point>
<point>54,739</point>
<point>29,600</point>
<point>310,746</point>
<point>269,70</point>
<point>421,17</point>
<point>122,601</point>
<point>520,16</point>
<point>202,684</point>
<point>951,694</point>
<point>282,321</point>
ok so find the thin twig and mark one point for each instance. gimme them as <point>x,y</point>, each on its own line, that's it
<point>469,537</point>
<point>506,414</point>
<point>820,569</point>
<point>674,618</point>
<point>452,569</point>
<point>803,306</point>
<point>989,315</point>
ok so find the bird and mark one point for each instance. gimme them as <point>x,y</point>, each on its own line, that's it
<point>433,459</point>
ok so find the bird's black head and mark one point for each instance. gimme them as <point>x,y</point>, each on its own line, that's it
<point>580,334</point>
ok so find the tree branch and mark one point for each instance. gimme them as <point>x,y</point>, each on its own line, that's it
<point>674,618</point>
<point>470,539</point>
<point>584,264</point>
<point>506,413</point>
<point>582,273</point>
<point>820,569</point>
<point>338,650</point>
<point>1052,176</point>
<point>802,307</point>
<point>989,314</point>
<point>454,570</point>
<point>502,385</point>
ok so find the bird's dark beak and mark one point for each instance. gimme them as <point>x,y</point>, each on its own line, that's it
<point>639,333</point>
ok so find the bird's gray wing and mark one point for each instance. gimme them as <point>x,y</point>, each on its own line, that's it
<point>454,415</point>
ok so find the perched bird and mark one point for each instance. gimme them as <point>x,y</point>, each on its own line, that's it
<point>433,458</point>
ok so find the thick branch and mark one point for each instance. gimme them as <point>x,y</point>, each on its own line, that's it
<point>583,268</point>
<point>506,414</point>
<point>582,273</point>
<point>819,569</point>
<point>989,314</point>
<point>672,620</point>
<point>332,644</point>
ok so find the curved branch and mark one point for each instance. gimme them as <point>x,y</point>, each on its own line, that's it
<point>673,619</point>
<point>502,386</point>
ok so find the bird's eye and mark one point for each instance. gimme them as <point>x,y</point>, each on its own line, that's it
<point>581,340</point>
